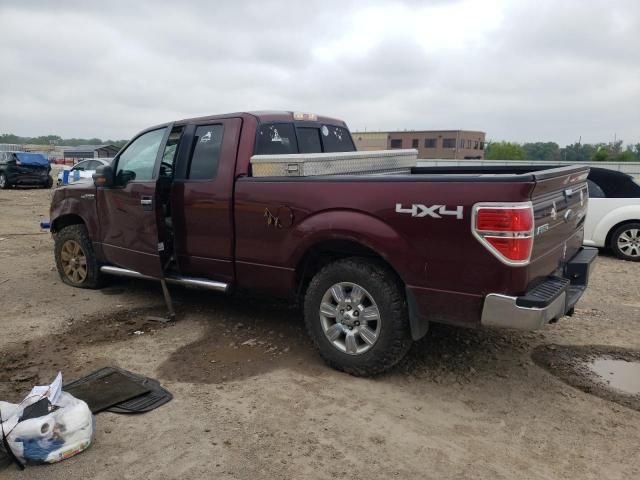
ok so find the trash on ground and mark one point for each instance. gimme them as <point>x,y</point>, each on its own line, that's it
<point>109,384</point>
<point>48,426</point>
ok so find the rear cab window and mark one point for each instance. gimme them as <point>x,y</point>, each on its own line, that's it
<point>282,138</point>
<point>206,152</point>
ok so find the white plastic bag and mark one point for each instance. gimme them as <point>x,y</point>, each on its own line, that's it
<point>64,432</point>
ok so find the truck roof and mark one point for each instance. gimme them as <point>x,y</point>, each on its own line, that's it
<point>261,116</point>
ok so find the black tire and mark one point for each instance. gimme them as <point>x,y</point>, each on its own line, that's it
<point>48,183</point>
<point>394,338</point>
<point>78,234</point>
<point>4,183</point>
<point>631,253</point>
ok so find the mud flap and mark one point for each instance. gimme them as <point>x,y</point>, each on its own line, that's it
<point>419,325</point>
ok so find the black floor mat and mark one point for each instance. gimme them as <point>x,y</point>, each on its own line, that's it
<point>104,391</point>
<point>151,394</point>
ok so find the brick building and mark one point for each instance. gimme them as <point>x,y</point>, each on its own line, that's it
<point>453,144</point>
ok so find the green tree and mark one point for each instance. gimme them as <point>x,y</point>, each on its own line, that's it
<point>504,151</point>
<point>541,151</point>
<point>578,152</point>
<point>626,156</point>
<point>601,154</point>
<point>56,140</point>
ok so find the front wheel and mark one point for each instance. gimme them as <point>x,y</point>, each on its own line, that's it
<point>75,258</point>
<point>48,183</point>
<point>4,183</point>
<point>625,241</point>
<point>356,314</point>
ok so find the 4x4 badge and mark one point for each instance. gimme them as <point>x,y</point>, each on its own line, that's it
<point>434,211</point>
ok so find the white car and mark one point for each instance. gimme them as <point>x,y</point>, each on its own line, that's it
<point>85,169</point>
<point>613,216</point>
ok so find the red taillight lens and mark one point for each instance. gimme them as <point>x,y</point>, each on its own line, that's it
<point>504,219</point>
<point>516,249</point>
<point>507,231</point>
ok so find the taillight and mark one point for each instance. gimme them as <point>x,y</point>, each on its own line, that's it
<point>506,229</point>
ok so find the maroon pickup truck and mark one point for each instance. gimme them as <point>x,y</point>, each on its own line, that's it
<point>373,258</point>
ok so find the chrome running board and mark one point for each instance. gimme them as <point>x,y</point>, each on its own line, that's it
<point>186,281</point>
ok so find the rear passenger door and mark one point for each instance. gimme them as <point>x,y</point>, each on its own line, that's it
<point>202,199</point>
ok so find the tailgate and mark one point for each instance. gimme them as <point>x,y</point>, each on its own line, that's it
<point>559,198</point>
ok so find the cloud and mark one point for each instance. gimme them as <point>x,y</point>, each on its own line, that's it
<point>521,71</point>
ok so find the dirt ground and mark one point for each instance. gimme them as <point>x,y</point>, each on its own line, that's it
<point>464,404</point>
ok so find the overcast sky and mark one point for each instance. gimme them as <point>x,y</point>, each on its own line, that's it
<point>519,70</point>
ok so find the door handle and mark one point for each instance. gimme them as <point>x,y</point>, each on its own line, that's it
<point>147,203</point>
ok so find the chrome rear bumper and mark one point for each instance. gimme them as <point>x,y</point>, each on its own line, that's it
<point>548,301</point>
<point>501,311</point>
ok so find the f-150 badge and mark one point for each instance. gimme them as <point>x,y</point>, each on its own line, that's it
<point>434,211</point>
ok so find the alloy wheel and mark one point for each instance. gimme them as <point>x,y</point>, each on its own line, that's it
<point>629,242</point>
<point>350,318</point>
<point>74,261</point>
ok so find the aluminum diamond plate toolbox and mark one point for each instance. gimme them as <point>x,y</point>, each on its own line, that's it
<point>312,164</point>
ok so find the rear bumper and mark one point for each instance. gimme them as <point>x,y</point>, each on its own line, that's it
<point>22,179</point>
<point>545,303</point>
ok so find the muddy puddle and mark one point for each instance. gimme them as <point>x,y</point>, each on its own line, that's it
<point>620,375</point>
<point>609,373</point>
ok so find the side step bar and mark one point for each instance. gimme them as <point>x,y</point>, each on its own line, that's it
<point>186,281</point>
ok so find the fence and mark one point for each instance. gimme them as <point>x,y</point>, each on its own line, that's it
<point>632,168</point>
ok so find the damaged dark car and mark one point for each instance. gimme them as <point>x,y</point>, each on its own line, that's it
<point>22,168</point>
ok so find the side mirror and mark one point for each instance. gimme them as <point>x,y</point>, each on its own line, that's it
<point>103,176</point>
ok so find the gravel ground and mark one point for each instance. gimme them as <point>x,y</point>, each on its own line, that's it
<point>253,400</point>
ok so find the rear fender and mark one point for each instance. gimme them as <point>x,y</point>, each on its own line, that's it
<point>354,226</point>
<point>370,232</point>
<point>619,215</point>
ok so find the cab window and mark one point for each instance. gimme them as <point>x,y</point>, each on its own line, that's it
<point>276,139</point>
<point>137,162</point>
<point>336,139</point>
<point>287,138</point>
<point>206,152</point>
<point>309,140</point>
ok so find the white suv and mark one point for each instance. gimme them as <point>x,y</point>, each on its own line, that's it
<point>613,216</point>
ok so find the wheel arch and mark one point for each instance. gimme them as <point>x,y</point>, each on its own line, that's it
<point>615,227</point>
<point>324,252</point>
<point>65,220</point>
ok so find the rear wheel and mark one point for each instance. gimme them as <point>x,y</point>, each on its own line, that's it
<point>48,183</point>
<point>356,314</point>
<point>4,183</point>
<point>625,241</point>
<point>75,258</point>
